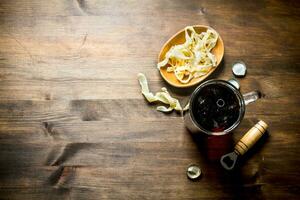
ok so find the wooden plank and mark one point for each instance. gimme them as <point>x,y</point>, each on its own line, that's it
<point>151,130</point>
<point>77,180</point>
<point>133,110</point>
<point>112,153</point>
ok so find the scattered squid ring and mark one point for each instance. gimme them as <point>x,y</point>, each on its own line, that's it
<point>163,96</point>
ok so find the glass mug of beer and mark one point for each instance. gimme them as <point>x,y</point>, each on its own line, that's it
<point>217,107</point>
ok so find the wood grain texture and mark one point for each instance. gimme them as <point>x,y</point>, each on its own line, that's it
<point>73,124</point>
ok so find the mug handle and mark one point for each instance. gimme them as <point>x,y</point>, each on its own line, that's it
<point>251,97</point>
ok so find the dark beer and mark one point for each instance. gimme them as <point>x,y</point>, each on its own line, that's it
<point>216,108</point>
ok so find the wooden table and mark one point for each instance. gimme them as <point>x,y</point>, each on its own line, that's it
<point>74,125</point>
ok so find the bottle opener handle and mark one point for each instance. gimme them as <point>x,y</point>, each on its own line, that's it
<point>250,138</point>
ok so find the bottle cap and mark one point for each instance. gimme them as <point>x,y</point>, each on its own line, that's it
<point>239,69</point>
<point>235,83</point>
<point>193,172</point>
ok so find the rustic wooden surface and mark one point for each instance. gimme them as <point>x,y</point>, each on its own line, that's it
<point>73,124</point>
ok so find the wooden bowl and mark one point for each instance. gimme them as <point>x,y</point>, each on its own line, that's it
<point>179,38</point>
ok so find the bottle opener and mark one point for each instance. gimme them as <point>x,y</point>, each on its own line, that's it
<point>228,161</point>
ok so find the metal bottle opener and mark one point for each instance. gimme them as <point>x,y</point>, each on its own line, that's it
<point>228,161</point>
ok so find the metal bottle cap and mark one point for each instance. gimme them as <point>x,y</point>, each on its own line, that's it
<point>235,83</point>
<point>239,69</point>
<point>193,172</point>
